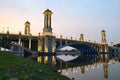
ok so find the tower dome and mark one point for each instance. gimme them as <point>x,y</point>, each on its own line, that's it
<point>27,22</point>
<point>103,31</point>
<point>47,11</point>
<point>27,28</point>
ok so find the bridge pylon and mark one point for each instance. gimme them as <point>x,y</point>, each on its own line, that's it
<point>27,28</point>
<point>48,40</point>
<point>81,37</point>
<point>104,45</point>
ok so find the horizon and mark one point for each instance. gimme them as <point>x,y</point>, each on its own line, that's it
<point>70,18</point>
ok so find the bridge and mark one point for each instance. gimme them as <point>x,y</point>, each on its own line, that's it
<point>47,42</point>
<point>22,51</point>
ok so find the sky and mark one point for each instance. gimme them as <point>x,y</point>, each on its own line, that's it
<point>70,17</point>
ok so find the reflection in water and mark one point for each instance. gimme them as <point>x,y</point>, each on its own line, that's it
<point>66,57</point>
<point>85,66</point>
<point>47,60</point>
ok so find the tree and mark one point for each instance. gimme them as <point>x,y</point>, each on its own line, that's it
<point>117,45</point>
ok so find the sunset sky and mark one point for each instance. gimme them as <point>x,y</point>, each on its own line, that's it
<point>70,17</point>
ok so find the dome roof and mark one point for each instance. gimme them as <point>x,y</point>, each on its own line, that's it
<point>27,22</point>
<point>103,30</point>
<point>47,10</point>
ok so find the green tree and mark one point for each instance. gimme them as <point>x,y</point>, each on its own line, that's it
<point>117,45</point>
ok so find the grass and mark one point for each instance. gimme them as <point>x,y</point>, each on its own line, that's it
<point>12,66</point>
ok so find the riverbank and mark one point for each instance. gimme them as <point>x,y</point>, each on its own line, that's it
<point>17,68</point>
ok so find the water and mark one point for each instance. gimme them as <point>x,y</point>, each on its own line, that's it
<point>85,66</point>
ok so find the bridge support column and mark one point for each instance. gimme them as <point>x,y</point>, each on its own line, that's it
<point>61,41</point>
<point>53,45</point>
<point>104,42</point>
<point>19,40</point>
<point>101,48</point>
<point>49,43</point>
<point>66,41</point>
<point>104,48</point>
<point>39,43</point>
<point>30,42</point>
<point>8,40</point>
<point>71,38</point>
<point>7,34</point>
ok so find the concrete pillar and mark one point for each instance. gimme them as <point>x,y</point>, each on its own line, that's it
<point>71,38</point>
<point>49,44</point>
<point>45,44</point>
<point>39,43</point>
<point>19,39</point>
<point>104,41</point>
<point>61,41</point>
<point>66,41</point>
<point>7,34</point>
<point>101,50</point>
<point>30,41</point>
<point>0,42</point>
<point>48,41</point>
<point>53,45</point>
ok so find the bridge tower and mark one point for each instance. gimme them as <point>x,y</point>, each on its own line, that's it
<point>47,30</point>
<point>48,38</point>
<point>27,28</point>
<point>104,46</point>
<point>81,37</point>
<point>103,33</point>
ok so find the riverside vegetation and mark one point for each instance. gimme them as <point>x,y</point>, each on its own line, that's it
<point>17,68</point>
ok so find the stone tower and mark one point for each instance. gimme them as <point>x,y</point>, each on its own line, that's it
<point>82,37</point>
<point>47,30</point>
<point>104,47</point>
<point>103,33</point>
<point>27,28</point>
<point>48,38</point>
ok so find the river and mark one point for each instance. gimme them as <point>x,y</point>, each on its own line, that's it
<point>86,66</point>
